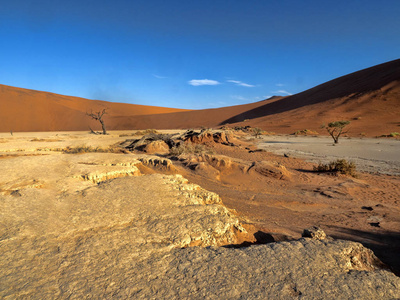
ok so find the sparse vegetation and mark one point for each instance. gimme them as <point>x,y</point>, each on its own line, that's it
<point>341,166</point>
<point>88,149</point>
<point>189,148</point>
<point>147,131</point>
<point>392,134</point>
<point>99,117</point>
<point>242,128</point>
<point>305,132</point>
<point>45,140</point>
<point>335,129</point>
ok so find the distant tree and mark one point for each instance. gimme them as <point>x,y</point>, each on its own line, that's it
<point>257,132</point>
<point>99,117</point>
<point>335,129</point>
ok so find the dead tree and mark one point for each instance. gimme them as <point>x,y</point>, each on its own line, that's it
<point>99,117</point>
<point>257,132</point>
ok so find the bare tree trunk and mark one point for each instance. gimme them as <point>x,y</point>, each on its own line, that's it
<point>103,126</point>
<point>99,117</point>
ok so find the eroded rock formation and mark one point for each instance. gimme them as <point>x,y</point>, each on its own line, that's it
<point>155,236</point>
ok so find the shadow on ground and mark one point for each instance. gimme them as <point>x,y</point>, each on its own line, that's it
<point>261,238</point>
<point>386,245</point>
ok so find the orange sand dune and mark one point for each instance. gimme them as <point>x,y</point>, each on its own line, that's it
<point>30,110</point>
<point>370,98</point>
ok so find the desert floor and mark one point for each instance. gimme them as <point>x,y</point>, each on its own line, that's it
<point>273,206</point>
<point>373,155</point>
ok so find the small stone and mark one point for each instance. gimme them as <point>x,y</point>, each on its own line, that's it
<point>314,232</point>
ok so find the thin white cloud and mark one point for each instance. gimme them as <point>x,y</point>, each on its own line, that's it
<point>159,77</point>
<point>237,82</point>
<point>198,82</point>
<point>283,92</point>
<point>280,84</point>
<point>238,97</point>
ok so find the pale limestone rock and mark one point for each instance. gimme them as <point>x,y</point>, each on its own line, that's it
<point>157,162</point>
<point>314,232</point>
<point>133,238</point>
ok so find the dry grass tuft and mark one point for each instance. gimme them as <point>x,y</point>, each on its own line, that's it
<point>305,132</point>
<point>46,140</point>
<point>341,166</point>
<point>147,131</point>
<point>89,149</point>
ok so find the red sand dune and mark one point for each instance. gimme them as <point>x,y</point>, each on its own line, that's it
<point>370,98</point>
<point>30,111</point>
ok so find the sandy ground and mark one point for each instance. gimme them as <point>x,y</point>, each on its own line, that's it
<point>375,155</point>
<point>364,209</point>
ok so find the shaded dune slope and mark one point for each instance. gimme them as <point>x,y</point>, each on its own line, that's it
<point>351,86</point>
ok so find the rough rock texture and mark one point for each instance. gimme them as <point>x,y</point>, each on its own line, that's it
<point>157,162</point>
<point>206,136</point>
<point>314,232</point>
<point>58,242</point>
<point>159,147</point>
<point>144,142</point>
<point>133,237</point>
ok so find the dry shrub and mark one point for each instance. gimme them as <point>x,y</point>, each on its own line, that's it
<point>392,134</point>
<point>341,166</point>
<point>89,149</point>
<point>46,140</point>
<point>147,131</point>
<point>305,132</point>
<point>189,148</point>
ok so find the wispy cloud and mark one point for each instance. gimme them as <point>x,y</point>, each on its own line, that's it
<point>283,92</point>
<point>159,77</point>
<point>280,84</point>
<point>237,82</point>
<point>238,97</point>
<point>198,82</point>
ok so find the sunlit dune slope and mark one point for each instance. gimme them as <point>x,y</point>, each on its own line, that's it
<point>30,110</point>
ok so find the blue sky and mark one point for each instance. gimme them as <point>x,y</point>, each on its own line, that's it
<point>191,54</point>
